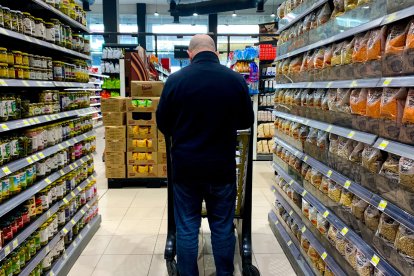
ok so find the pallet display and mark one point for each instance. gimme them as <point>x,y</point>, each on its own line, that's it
<point>48,192</point>
<point>344,150</point>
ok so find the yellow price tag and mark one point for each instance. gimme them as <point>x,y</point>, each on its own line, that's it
<point>305,158</point>
<point>47,118</point>
<point>15,243</point>
<point>326,214</point>
<point>309,85</point>
<point>303,229</point>
<point>289,243</point>
<point>83,212</point>
<point>60,146</point>
<point>375,260</point>
<point>387,81</point>
<point>48,181</point>
<point>73,222</point>
<point>382,205</point>
<point>344,231</point>
<point>31,121</point>
<point>71,167</point>
<point>329,128</point>
<point>29,160</point>
<point>384,144</point>
<point>324,255</point>
<point>351,134</point>
<point>304,193</point>
<point>67,143</point>
<point>79,189</point>
<point>354,83</point>
<point>57,116</point>
<point>6,170</point>
<point>65,231</point>
<point>291,182</point>
<point>391,18</point>
<point>66,114</point>
<point>276,222</point>
<point>347,184</point>
<point>48,214</point>
<point>37,120</point>
<point>35,158</point>
<point>25,83</point>
<point>76,140</point>
<point>51,273</point>
<point>26,123</point>
<point>7,250</point>
<point>3,83</point>
<point>4,127</point>
<point>61,172</point>
<point>329,84</point>
<point>72,194</point>
<point>291,212</point>
<point>329,173</point>
<point>41,155</point>
<point>65,200</point>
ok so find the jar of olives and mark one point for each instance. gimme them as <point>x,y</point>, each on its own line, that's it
<point>7,18</point>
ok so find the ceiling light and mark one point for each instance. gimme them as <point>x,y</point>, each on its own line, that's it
<point>156,14</point>
<point>273,15</point>
<point>195,14</point>
<point>156,9</point>
<point>273,12</point>
<point>234,14</point>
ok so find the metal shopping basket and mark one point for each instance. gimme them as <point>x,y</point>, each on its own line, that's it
<point>243,215</point>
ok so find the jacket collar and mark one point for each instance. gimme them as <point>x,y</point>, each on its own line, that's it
<point>205,57</point>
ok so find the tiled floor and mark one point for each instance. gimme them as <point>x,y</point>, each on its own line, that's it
<point>132,235</point>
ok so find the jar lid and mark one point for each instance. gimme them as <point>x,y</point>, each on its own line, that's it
<point>25,54</point>
<point>3,49</point>
<point>3,64</point>
<point>5,8</point>
<point>17,52</point>
<point>49,24</point>
<point>27,13</point>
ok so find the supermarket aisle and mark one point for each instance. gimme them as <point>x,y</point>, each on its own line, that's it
<point>132,235</point>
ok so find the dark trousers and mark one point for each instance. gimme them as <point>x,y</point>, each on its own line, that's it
<point>220,203</point>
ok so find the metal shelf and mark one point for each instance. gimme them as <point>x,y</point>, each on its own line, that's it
<point>21,123</point>
<point>26,161</point>
<point>95,104</point>
<point>68,20</point>
<point>395,148</point>
<point>292,18</point>
<point>40,185</point>
<point>18,240</point>
<point>38,42</point>
<point>83,89</point>
<point>95,97</point>
<point>35,83</point>
<point>97,118</point>
<point>46,249</point>
<point>264,157</point>
<point>377,261</point>
<point>98,75</point>
<point>359,136</point>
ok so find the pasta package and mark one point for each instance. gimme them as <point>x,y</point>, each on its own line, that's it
<point>324,187</point>
<point>404,242</point>
<point>396,40</point>
<point>356,154</point>
<point>327,57</point>
<point>313,216</point>
<point>372,159</point>
<point>332,235</point>
<point>318,58</point>
<point>324,14</point>
<point>336,54</point>
<point>322,140</point>
<point>374,103</point>
<point>346,198</point>
<point>390,168</point>
<point>334,192</point>
<point>360,51</point>
<point>346,52</point>
<point>408,115</point>
<point>350,4</point>
<point>363,265</point>
<point>392,103</point>
<point>323,224</point>
<point>295,64</point>
<point>319,94</point>
<point>406,173</point>
<point>409,43</point>
<point>350,254</point>
<point>339,8</point>
<point>333,145</point>
<point>388,228</point>
<point>331,96</point>
<point>376,43</point>
<point>358,208</point>
<point>345,147</point>
<point>358,101</point>
<point>316,178</point>
<point>371,217</point>
<point>343,100</point>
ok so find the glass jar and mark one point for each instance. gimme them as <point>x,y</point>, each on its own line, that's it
<point>14,21</point>
<point>86,46</point>
<point>64,8</point>
<point>10,58</point>
<point>7,18</point>
<point>25,59</point>
<point>49,63</point>
<point>3,55</point>
<point>32,73</point>
<point>58,31</point>
<point>50,32</point>
<point>58,71</point>
<point>18,58</point>
<point>43,62</point>
<point>68,33</point>
<point>26,72</point>
<point>4,72</point>
<point>28,24</point>
<point>12,73</point>
<point>40,30</point>
<point>1,17</point>
<point>19,21</point>
<point>50,75</point>
<point>39,74</point>
<point>76,42</point>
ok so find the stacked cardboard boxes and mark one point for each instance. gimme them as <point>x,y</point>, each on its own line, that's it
<point>142,137</point>
<point>113,115</point>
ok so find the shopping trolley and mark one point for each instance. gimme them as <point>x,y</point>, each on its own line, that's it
<point>243,210</point>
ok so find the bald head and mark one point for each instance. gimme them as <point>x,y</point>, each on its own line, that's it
<point>201,43</point>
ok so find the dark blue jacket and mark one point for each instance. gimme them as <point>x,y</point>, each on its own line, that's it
<point>201,108</point>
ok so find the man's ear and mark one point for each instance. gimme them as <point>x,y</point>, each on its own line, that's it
<point>190,55</point>
<point>218,54</point>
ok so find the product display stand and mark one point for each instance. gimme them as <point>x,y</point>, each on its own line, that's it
<point>97,81</point>
<point>243,216</point>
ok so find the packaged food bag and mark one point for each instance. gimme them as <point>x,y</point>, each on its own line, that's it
<point>376,43</point>
<point>390,168</point>
<point>372,159</point>
<point>388,228</point>
<point>408,115</point>
<point>392,103</point>
<point>406,173</point>
<point>358,101</point>
<point>404,242</point>
<point>358,208</point>
<point>360,51</point>
<point>371,217</point>
<point>374,103</point>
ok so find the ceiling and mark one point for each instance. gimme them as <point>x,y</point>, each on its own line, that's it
<point>166,2</point>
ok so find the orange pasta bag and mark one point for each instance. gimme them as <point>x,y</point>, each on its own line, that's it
<point>327,57</point>
<point>295,64</point>
<point>409,43</point>
<point>319,58</point>
<point>358,101</point>
<point>392,103</point>
<point>305,65</point>
<point>374,103</point>
<point>311,64</point>
<point>376,43</point>
<point>346,52</point>
<point>359,53</point>
<point>336,54</point>
<point>408,116</point>
<point>285,66</point>
<point>396,40</point>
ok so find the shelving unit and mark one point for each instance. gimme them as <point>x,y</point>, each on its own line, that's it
<point>96,96</point>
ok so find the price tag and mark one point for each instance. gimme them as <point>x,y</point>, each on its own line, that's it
<point>82,212</point>
<point>305,158</point>
<point>35,158</point>
<point>307,122</point>
<point>309,85</point>
<point>15,243</point>
<point>351,134</point>
<point>70,167</point>
<point>354,83</point>
<point>65,200</point>
<point>3,83</point>
<point>37,120</point>
<point>291,182</point>
<point>26,123</point>
<point>375,260</point>
<point>29,160</point>
<point>4,127</point>
<point>57,116</point>
<point>347,184</point>
<point>75,244</point>
<point>382,205</point>
<point>76,140</point>
<point>47,248</point>
<point>73,194</point>
<point>79,189</point>
<point>48,214</point>
<point>291,212</point>
<point>303,229</point>
<point>41,155</point>
<point>65,231</point>
<point>47,180</point>
<point>7,250</point>
<point>73,222</point>
<point>384,144</point>
<point>304,193</point>
<point>51,273</point>
<point>329,128</point>
<point>390,18</point>
<point>324,255</point>
<point>31,121</point>
<point>289,243</point>
<point>344,231</point>
<point>66,114</point>
<point>387,82</point>
<point>67,143</point>
<point>6,170</point>
<point>61,172</point>
<point>47,118</point>
<point>61,147</point>
<point>25,83</point>
<point>326,214</point>
<point>329,173</point>
<point>276,222</point>
<point>329,85</point>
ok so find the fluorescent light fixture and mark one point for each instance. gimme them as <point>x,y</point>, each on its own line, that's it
<point>273,15</point>
<point>156,13</point>
<point>195,14</point>
<point>234,14</point>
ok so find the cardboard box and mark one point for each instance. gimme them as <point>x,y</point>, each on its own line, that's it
<point>133,173</point>
<point>162,170</point>
<point>116,104</point>
<point>113,118</point>
<point>132,104</point>
<point>162,147</point>
<point>115,132</point>
<point>115,145</point>
<point>134,132</point>
<point>132,158</point>
<point>118,171</point>
<point>141,118</point>
<point>113,158</point>
<point>162,157</point>
<point>146,88</point>
<point>133,147</point>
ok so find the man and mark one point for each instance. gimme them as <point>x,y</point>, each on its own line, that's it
<point>201,108</point>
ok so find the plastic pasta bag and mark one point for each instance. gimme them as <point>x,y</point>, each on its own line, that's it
<point>392,103</point>
<point>303,133</point>
<point>324,14</point>
<point>388,228</point>
<point>374,103</point>
<point>333,145</point>
<point>331,95</point>
<point>304,242</point>
<point>363,2</point>
<point>313,255</point>
<point>350,254</point>
<point>334,192</point>
<point>404,242</point>
<point>336,54</point>
<point>408,116</point>
<point>356,155</point>
<point>340,243</point>
<point>346,199</point>
<point>332,235</point>
<point>310,98</point>
<point>324,187</point>
<point>376,43</point>
<point>372,159</point>
<point>313,136</point>
<point>305,208</point>
<point>324,101</point>
<point>371,217</point>
<point>295,64</point>
<point>343,100</point>
<point>313,20</point>
<point>406,173</point>
<point>358,208</point>
<point>339,8</point>
<point>409,43</point>
<point>358,101</point>
<point>360,53</point>
<point>313,216</point>
<point>396,40</point>
<point>346,52</point>
<point>304,169</point>
<point>316,178</point>
<point>322,141</point>
<point>345,147</point>
<point>390,168</point>
<point>327,57</point>
<point>318,58</point>
<point>323,224</point>
<point>363,267</point>
<point>319,94</point>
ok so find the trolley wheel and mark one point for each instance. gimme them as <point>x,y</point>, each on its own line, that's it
<point>172,268</point>
<point>250,270</point>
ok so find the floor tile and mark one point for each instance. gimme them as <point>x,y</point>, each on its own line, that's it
<point>137,244</point>
<point>265,244</point>
<point>97,245</point>
<point>164,227</point>
<point>112,213</point>
<point>108,227</point>
<point>210,268</point>
<point>137,227</point>
<point>261,226</point>
<point>123,265</point>
<point>144,213</point>
<point>85,265</point>
<point>274,264</point>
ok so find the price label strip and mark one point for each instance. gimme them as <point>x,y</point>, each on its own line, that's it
<point>324,255</point>
<point>375,260</point>
<point>347,184</point>
<point>382,205</point>
<point>344,231</point>
<point>326,214</point>
<point>383,145</point>
<point>387,82</point>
